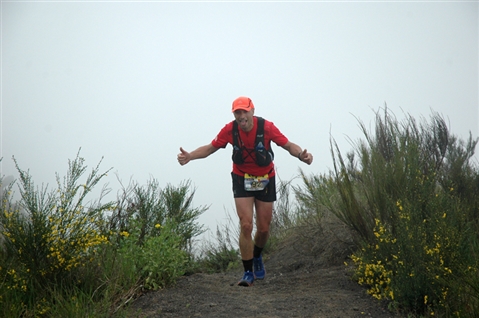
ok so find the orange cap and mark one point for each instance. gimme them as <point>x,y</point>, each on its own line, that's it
<point>242,102</point>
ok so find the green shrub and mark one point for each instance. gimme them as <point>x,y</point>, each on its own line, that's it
<point>48,237</point>
<point>158,261</point>
<point>144,206</point>
<point>152,230</point>
<point>411,196</point>
<point>59,258</point>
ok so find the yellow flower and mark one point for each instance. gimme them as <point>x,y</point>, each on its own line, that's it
<point>125,234</point>
<point>157,225</point>
<point>425,299</point>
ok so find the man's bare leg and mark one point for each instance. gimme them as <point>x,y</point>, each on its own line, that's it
<point>244,209</point>
<point>264,214</point>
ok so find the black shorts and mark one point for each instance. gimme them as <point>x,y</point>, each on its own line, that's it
<point>268,194</point>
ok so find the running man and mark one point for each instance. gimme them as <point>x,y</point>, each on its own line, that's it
<point>253,177</point>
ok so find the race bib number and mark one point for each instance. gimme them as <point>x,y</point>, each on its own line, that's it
<point>255,183</point>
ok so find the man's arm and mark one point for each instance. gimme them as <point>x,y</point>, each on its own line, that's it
<point>201,152</point>
<point>297,152</point>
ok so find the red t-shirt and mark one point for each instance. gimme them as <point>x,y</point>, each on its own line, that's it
<point>271,133</point>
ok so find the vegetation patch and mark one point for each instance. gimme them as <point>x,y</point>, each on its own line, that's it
<point>409,191</point>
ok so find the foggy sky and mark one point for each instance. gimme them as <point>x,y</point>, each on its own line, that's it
<point>133,81</point>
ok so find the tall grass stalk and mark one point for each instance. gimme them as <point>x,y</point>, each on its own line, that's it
<point>221,253</point>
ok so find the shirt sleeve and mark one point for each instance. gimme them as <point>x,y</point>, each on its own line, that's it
<point>275,134</point>
<point>224,137</point>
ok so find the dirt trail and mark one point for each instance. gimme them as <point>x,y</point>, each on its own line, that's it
<point>300,282</point>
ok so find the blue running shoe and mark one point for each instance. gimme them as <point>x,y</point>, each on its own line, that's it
<point>258,267</point>
<point>247,280</point>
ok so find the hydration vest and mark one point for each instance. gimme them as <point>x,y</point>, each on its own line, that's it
<point>263,156</point>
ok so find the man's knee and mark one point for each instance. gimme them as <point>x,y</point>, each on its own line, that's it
<point>246,228</point>
<point>264,231</point>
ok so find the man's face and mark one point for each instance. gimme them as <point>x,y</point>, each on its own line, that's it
<point>244,119</point>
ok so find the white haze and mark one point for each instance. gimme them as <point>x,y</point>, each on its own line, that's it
<point>133,81</point>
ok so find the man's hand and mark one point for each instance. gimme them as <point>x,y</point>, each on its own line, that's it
<point>306,157</point>
<point>202,152</point>
<point>184,157</point>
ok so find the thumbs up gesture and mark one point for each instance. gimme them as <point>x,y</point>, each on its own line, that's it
<point>305,157</point>
<point>183,157</point>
